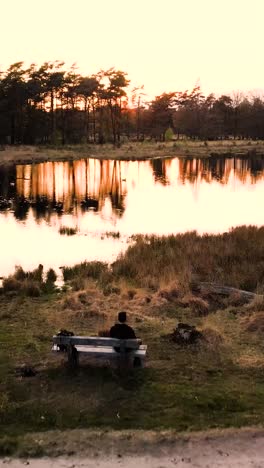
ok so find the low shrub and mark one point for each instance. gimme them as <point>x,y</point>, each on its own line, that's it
<point>36,274</point>
<point>19,274</point>
<point>28,283</point>
<point>11,284</point>
<point>51,276</point>
<point>30,288</point>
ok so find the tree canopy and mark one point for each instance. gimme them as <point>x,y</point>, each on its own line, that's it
<point>49,104</point>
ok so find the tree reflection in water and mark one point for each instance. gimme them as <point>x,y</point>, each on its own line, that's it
<point>94,198</point>
<point>76,187</point>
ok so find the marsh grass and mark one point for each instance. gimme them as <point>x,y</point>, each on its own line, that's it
<point>85,270</point>
<point>234,258</point>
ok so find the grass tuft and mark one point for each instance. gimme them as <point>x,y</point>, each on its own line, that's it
<point>85,270</point>
<point>255,323</point>
<point>68,231</point>
<point>198,306</point>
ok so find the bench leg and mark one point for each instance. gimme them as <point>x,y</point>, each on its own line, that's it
<point>125,362</point>
<point>73,358</point>
<point>137,362</point>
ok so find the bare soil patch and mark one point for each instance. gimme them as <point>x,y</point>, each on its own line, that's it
<point>138,449</point>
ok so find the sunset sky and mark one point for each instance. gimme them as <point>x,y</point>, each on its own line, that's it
<point>166,45</point>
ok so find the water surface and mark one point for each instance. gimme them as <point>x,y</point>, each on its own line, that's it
<point>103,199</point>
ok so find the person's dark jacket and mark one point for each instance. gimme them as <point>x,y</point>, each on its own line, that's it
<point>122,331</point>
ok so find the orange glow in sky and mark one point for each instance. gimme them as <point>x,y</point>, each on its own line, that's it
<point>166,45</point>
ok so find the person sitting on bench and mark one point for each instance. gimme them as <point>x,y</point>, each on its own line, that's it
<point>122,331</point>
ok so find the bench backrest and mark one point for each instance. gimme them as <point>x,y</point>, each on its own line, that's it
<point>96,341</point>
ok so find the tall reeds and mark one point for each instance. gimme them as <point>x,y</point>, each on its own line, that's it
<point>235,258</point>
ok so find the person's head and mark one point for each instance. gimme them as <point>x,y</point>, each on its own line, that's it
<point>122,317</point>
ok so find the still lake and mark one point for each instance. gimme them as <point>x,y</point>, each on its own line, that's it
<point>106,202</point>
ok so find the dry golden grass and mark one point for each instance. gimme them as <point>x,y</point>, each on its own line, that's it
<point>198,306</point>
<point>255,322</point>
<point>171,292</point>
<point>257,304</point>
<point>213,337</point>
<point>234,259</point>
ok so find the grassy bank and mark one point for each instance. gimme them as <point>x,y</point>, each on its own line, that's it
<point>217,383</point>
<point>132,151</point>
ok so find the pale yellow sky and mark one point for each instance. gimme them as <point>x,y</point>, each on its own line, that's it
<point>166,45</point>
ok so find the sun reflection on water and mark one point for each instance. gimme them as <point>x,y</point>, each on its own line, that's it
<point>127,197</point>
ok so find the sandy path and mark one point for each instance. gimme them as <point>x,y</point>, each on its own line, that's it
<point>241,449</point>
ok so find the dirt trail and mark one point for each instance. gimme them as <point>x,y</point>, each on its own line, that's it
<point>236,449</point>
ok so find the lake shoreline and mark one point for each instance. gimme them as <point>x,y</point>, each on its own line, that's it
<point>131,152</point>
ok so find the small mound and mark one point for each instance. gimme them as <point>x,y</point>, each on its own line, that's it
<point>71,303</point>
<point>170,294</point>
<point>198,306</point>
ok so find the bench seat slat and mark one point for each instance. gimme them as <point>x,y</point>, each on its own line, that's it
<point>104,350</point>
<point>95,341</point>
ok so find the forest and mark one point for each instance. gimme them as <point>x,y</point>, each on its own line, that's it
<point>48,104</point>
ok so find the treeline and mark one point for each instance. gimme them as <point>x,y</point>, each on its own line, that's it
<point>51,105</point>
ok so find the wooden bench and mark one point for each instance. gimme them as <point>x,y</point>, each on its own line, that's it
<point>101,348</point>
